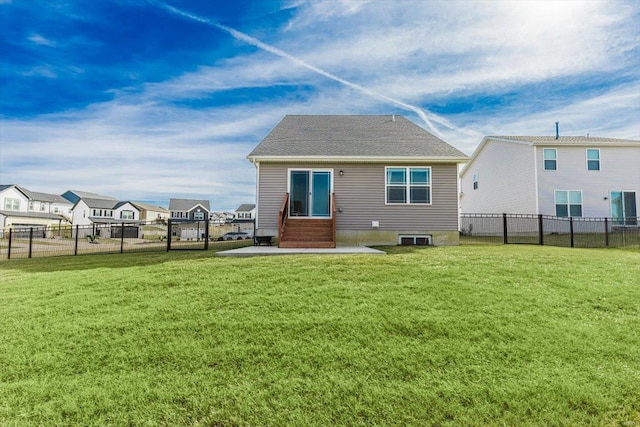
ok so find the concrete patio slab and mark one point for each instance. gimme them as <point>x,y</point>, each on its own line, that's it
<point>274,250</point>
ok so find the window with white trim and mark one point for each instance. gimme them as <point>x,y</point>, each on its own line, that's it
<point>12,204</point>
<point>568,203</point>
<point>593,159</point>
<point>475,181</point>
<point>408,185</point>
<point>127,215</point>
<point>198,216</point>
<point>550,156</point>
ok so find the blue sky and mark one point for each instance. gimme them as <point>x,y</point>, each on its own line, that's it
<point>147,100</point>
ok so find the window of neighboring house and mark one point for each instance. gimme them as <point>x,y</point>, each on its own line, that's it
<point>127,215</point>
<point>568,203</point>
<point>623,207</point>
<point>55,210</point>
<point>31,206</point>
<point>407,185</point>
<point>593,159</point>
<point>198,216</point>
<point>475,181</point>
<point>12,204</point>
<point>43,207</point>
<point>550,159</point>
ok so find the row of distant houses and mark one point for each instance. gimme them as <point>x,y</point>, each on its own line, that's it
<point>21,207</point>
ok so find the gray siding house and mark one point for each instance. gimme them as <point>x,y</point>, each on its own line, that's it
<point>189,210</point>
<point>564,176</point>
<point>355,180</point>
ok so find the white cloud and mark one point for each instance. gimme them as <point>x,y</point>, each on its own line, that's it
<point>40,40</point>
<point>45,70</point>
<point>152,145</point>
<point>435,47</point>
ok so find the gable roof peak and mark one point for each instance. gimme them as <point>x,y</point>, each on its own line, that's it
<point>352,136</point>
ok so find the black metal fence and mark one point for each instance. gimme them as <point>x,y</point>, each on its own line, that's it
<point>30,242</point>
<point>549,230</point>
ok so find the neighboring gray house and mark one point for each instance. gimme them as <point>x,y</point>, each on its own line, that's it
<point>564,176</point>
<point>363,180</point>
<point>189,209</point>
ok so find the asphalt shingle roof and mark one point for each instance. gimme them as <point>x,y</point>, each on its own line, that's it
<point>352,136</point>
<point>44,197</point>
<point>100,203</point>
<point>245,207</point>
<point>41,215</point>
<point>186,204</point>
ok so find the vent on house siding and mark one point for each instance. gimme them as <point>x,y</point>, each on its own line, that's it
<point>414,240</point>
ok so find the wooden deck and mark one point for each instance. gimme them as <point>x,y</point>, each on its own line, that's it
<point>307,233</point>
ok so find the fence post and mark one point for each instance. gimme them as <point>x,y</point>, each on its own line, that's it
<point>30,241</point>
<point>10,239</point>
<point>504,228</point>
<point>122,238</point>
<point>571,229</point>
<point>206,235</point>
<point>168,235</point>
<point>75,251</point>
<point>606,232</point>
<point>540,230</point>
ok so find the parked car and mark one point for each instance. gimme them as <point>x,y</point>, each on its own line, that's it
<point>235,235</point>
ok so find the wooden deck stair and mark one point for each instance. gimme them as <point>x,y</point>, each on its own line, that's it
<point>307,233</point>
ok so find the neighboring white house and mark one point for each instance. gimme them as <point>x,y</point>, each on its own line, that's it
<point>244,218</point>
<point>20,207</point>
<point>563,176</point>
<point>87,210</point>
<point>48,203</point>
<point>107,218</point>
<point>189,209</point>
<point>246,211</point>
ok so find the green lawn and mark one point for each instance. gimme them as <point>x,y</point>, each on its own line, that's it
<point>470,335</point>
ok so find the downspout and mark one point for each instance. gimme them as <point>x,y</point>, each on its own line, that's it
<point>255,220</point>
<point>535,178</point>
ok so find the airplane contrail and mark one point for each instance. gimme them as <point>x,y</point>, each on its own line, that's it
<point>279,52</point>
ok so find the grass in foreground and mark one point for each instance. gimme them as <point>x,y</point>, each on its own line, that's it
<point>483,335</point>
